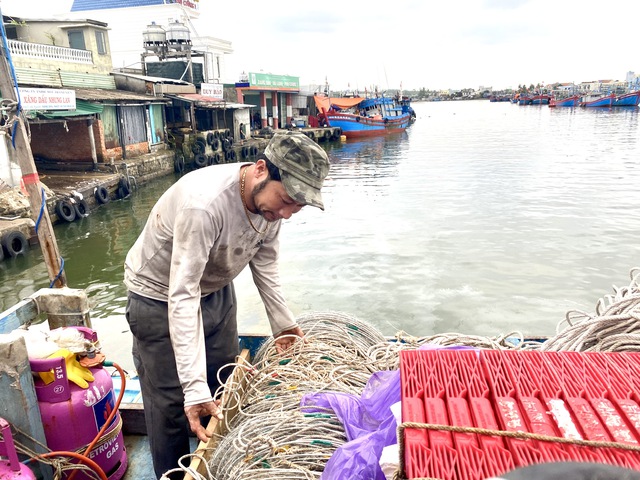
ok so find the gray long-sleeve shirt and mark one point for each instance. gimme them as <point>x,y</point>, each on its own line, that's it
<point>197,239</point>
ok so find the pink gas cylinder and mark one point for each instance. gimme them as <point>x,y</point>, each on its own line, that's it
<point>11,469</point>
<point>72,416</point>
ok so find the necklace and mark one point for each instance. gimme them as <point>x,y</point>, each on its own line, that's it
<point>244,203</point>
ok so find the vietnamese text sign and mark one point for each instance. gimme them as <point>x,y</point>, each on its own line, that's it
<point>273,81</point>
<point>213,90</point>
<point>47,99</point>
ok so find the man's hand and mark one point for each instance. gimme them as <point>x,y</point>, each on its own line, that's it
<point>194,412</point>
<point>286,338</point>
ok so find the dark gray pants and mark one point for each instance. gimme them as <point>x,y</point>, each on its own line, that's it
<point>167,425</point>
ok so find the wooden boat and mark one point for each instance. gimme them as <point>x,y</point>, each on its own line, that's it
<point>571,101</point>
<point>597,100</point>
<point>540,99</point>
<point>360,117</point>
<point>631,99</point>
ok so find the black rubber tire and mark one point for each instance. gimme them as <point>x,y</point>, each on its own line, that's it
<point>245,152</point>
<point>211,160</point>
<point>232,154</point>
<point>327,134</point>
<point>124,188</point>
<point>312,135</point>
<point>254,150</point>
<point>65,210</point>
<point>226,145</point>
<point>178,163</point>
<point>337,132</point>
<point>200,160</point>
<point>82,208</point>
<point>216,134</point>
<point>15,243</point>
<point>217,158</point>
<point>102,195</point>
<point>215,144</point>
<point>210,138</point>
<point>227,133</point>
<point>198,147</point>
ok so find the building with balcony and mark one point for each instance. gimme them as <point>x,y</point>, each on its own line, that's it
<point>72,57</point>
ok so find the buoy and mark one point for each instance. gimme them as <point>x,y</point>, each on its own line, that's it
<point>343,138</point>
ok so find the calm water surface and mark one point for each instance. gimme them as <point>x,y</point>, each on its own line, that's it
<point>483,218</point>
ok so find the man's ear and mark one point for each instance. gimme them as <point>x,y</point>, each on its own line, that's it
<point>260,169</point>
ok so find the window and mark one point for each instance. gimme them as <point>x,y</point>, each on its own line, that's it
<point>76,39</point>
<point>12,32</point>
<point>101,42</point>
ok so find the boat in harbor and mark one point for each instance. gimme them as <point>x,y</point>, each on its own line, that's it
<point>631,99</point>
<point>571,101</point>
<point>359,117</point>
<point>597,100</point>
<point>540,99</point>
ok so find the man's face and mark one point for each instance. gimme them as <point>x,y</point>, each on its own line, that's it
<point>272,201</point>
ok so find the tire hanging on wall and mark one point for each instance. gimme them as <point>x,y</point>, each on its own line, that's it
<point>82,208</point>
<point>254,150</point>
<point>200,160</point>
<point>245,152</point>
<point>124,188</point>
<point>210,138</point>
<point>215,144</point>
<point>101,195</point>
<point>198,147</point>
<point>178,163</point>
<point>65,210</point>
<point>15,243</point>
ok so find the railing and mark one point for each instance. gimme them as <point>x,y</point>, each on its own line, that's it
<point>50,52</point>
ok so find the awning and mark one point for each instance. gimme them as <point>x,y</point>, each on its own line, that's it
<point>207,102</point>
<point>83,109</point>
<point>342,102</point>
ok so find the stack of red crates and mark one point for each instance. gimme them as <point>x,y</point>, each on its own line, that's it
<point>590,396</point>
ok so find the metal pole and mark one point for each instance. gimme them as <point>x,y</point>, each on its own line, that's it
<point>23,153</point>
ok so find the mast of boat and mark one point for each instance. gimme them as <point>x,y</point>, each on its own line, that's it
<point>14,123</point>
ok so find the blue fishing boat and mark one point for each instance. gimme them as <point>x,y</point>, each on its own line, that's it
<point>597,100</point>
<point>364,117</point>
<point>571,101</point>
<point>631,99</point>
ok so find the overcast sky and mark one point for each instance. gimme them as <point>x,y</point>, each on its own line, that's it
<point>419,43</point>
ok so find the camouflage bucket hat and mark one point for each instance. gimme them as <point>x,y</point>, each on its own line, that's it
<point>303,166</point>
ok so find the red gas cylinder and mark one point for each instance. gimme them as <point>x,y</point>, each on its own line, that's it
<point>11,469</point>
<point>72,416</point>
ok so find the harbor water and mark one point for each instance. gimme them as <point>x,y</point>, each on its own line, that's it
<point>482,218</point>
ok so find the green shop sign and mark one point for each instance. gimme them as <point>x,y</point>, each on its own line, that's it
<point>273,81</point>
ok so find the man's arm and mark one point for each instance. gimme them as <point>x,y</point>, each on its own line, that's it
<point>266,276</point>
<point>193,237</point>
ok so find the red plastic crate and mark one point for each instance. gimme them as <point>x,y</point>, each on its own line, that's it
<point>592,396</point>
